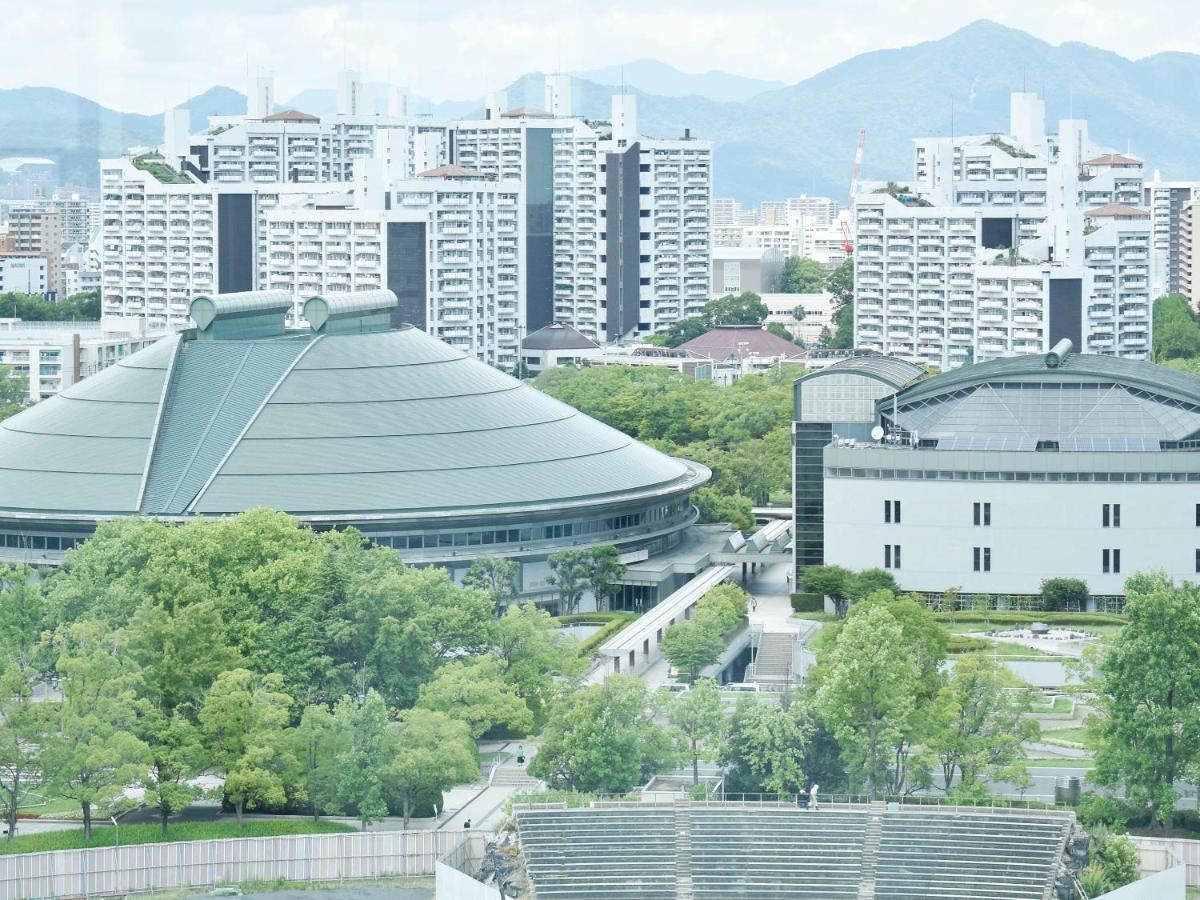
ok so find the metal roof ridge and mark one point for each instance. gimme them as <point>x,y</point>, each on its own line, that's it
<point>212,476</point>
<point>156,432</point>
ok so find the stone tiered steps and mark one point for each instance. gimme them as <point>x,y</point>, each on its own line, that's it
<point>683,852</point>
<point>870,858</point>
<point>773,663</point>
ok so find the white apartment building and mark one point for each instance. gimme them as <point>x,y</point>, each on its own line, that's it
<point>446,242</point>
<point>807,211</point>
<point>55,355</point>
<point>1002,245</point>
<point>1166,201</point>
<point>22,273</point>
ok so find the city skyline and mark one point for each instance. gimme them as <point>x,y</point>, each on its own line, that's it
<point>114,53</point>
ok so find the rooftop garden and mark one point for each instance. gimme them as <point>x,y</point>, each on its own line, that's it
<point>902,193</point>
<point>1010,149</point>
<point>157,166</point>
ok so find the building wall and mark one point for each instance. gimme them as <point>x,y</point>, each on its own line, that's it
<point>1039,530</point>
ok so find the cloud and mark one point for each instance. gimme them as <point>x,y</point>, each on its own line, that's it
<point>142,55</point>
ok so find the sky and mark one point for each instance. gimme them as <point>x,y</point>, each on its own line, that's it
<point>145,55</point>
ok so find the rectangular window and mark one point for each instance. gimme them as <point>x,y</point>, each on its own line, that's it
<point>1111,516</point>
<point>1198,515</point>
<point>891,556</point>
<point>1198,560</point>
<point>983,513</point>
<point>1111,562</point>
<point>982,559</point>
<point>891,512</point>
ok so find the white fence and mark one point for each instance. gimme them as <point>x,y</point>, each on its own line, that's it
<point>141,868</point>
<point>1163,853</point>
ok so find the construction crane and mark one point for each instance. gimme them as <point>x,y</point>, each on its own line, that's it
<point>847,236</point>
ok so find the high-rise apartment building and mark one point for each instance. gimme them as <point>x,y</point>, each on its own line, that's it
<point>611,231</point>
<point>1189,252</point>
<point>1004,244</point>
<point>37,229</point>
<point>1166,201</point>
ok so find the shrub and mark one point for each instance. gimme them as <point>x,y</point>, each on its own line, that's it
<point>1027,618</point>
<point>807,602</point>
<point>590,645</point>
<point>1063,594</point>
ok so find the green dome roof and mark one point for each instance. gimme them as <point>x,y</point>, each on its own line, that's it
<point>392,423</point>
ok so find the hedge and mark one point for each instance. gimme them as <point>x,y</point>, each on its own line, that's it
<point>1028,618</point>
<point>805,602</point>
<point>961,643</point>
<point>590,645</point>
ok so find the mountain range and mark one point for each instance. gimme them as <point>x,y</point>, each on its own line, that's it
<point>771,140</point>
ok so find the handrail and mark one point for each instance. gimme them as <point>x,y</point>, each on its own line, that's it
<point>836,802</point>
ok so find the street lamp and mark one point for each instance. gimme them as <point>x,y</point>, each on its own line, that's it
<point>116,825</point>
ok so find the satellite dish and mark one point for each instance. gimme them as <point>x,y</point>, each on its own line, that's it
<point>877,433</point>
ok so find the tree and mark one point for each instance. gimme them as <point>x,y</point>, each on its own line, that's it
<point>693,644</point>
<point>23,727</point>
<point>746,308</point>
<point>781,332</point>
<point>1065,594</point>
<point>869,581</point>
<point>605,574</point>
<point>244,719</point>
<point>1148,692</point>
<point>177,756</point>
<point>603,738</point>
<point>726,604</point>
<point>14,392</point>
<point>21,615</point>
<point>537,657</point>
<point>496,577</point>
<point>978,724</point>
<point>1176,333</point>
<point>315,748</point>
<point>736,510</point>
<point>802,275</point>
<point>364,753</point>
<point>868,686</point>
<point>766,748</point>
<point>841,285</point>
<point>474,692</point>
<point>569,572</point>
<point>92,753</point>
<point>699,715</point>
<point>429,752</point>
<point>833,582</point>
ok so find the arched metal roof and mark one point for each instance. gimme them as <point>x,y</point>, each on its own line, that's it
<point>378,424</point>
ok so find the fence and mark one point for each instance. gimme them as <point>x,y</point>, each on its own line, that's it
<point>142,868</point>
<point>1164,853</point>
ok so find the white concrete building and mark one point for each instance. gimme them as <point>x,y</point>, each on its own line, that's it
<point>999,247</point>
<point>993,477</point>
<point>55,355</point>
<point>22,273</point>
<point>1166,201</point>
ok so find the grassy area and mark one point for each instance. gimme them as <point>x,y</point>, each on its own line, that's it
<point>270,887</point>
<point>1061,704</point>
<point>1006,650</point>
<point>54,806</point>
<point>815,616</point>
<point>1076,734</point>
<point>151,834</point>
<point>1060,762</point>
<point>157,166</point>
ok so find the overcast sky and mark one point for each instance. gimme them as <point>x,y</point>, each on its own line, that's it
<point>143,55</point>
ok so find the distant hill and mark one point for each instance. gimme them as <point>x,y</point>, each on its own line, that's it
<point>778,142</point>
<point>653,77</point>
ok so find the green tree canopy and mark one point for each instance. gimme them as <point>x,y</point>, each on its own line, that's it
<point>1061,594</point>
<point>699,716</point>
<point>496,577</point>
<point>692,645</point>
<point>765,751</point>
<point>1176,332</point>
<point>802,275</point>
<point>476,693</point>
<point>429,752</point>
<point>14,392</point>
<point>834,582</point>
<point>603,738</point>
<point>1148,691</point>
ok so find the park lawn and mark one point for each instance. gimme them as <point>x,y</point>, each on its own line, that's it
<point>1061,762</point>
<point>152,834</point>
<point>1076,736</point>
<point>55,806</point>
<point>1013,651</point>
<point>1060,704</point>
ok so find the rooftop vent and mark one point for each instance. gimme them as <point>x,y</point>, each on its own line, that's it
<point>355,313</point>
<point>245,316</point>
<point>1058,353</point>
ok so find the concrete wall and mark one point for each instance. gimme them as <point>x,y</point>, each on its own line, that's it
<point>1170,884</point>
<point>147,867</point>
<point>1039,530</point>
<point>455,885</point>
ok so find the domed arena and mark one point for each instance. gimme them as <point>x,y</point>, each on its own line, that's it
<point>351,423</point>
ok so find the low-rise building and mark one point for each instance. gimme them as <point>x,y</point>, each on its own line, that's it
<point>557,345</point>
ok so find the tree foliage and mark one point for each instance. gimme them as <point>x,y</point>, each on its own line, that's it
<point>765,751</point>
<point>1176,331</point>
<point>496,577</point>
<point>1148,689</point>
<point>1061,594</point>
<point>841,285</point>
<point>14,392</point>
<point>603,738</point>
<point>699,716</point>
<point>476,693</point>
<point>802,275</point>
<point>428,753</point>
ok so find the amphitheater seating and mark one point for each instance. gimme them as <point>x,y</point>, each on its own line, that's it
<point>776,852</point>
<point>959,855</point>
<point>771,852</point>
<point>623,853</point>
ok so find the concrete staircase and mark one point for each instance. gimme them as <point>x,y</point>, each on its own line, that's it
<point>511,776</point>
<point>683,851</point>
<point>870,858</point>
<point>773,662</point>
